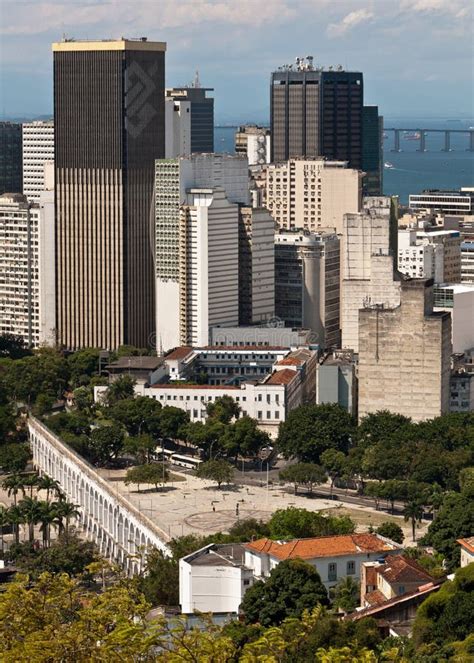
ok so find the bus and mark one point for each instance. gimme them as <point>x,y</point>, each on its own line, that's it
<point>185,461</point>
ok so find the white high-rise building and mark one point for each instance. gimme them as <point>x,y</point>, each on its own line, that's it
<point>208,264</point>
<point>433,254</point>
<point>38,149</point>
<point>368,277</point>
<point>27,254</point>
<point>173,177</point>
<point>312,193</point>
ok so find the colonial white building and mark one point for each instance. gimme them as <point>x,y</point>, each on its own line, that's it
<point>215,578</point>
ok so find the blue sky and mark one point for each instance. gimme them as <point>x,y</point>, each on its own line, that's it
<point>416,55</point>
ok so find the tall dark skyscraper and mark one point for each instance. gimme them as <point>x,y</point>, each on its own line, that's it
<point>11,179</point>
<point>372,153</point>
<point>109,129</point>
<point>202,115</point>
<point>316,113</point>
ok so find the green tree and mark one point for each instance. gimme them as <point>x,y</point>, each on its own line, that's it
<point>172,422</point>
<point>447,615</point>
<point>223,409</point>
<point>413,512</point>
<point>105,443</point>
<point>84,398</point>
<point>75,423</point>
<point>311,429</point>
<point>14,484</point>
<point>51,486</point>
<point>160,581</point>
<point>64,512</point>
<point>67,554</point>
<point>13,346</point>
<point>454,520</point>
<point>306,474</point>
<point>14,457</point>
<point>334,462</point>
<point>137,415</point>
<point>346,594</point>
<point>391,531</point>
<point>31,511</point>
<point>121,389</point>
<point>140,447</point>
<point>150,473</point>
<point>217,470</point>
<point>244,438</point>
<point>297,523</point>
<point>82,365</point>
<point>292,587</point>
<point>207,436</point>
<point>380,426</point>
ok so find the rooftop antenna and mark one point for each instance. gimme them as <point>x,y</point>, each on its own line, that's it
<point>197,82</point>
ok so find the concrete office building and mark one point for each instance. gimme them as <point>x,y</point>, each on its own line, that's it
<point>462,382</point>
<point>11,180</point>
<point>27,277</point>
<point>372,151</point>
<point>449,202</point>
<point>109,119</point>
<point>457,299</point>
<point>273,333</point>
<point>307,283</point>
<point>312,194</point>
<point>316,113</point>
<point>256,266</point>
<point>447,244</point>
<point>467,262</point>
<point>38,150</point>
<point>173,177</point>
<point>189,120</point>
<point>336,380</point>
<point>253,142</point>
<point>404,355</point>
<point>368,276</point>
<point>208,264</point>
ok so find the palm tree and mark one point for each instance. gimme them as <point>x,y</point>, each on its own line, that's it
<point>49,485</point>
<point>15,518</point>
<point>31,509</point>
<point>65,510</point>
<point>346,594</point>
<point>4,520</point>
<point>31,481</point>
<point>414,512</point>
<point>46,518</point>
<point>14,484</point>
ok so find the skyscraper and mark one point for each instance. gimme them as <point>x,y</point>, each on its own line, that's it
<point>316,113</point>
<point>38,149</point>
<point>109,129</point>
<point>10,158</point>
<point>372,152</point>
<point>189,121</point>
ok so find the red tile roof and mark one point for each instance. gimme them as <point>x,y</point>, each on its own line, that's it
<point>285,376</point>
<point>179,353</point>
<point>324,546</point>
<point>375,598</point>
<point>468,543</point>
<point>290,361</point>
<point>398,568</point>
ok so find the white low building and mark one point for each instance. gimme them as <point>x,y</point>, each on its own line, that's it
<point>467,550</point>
<point>216,577</point>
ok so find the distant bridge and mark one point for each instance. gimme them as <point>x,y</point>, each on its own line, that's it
<point>420,136</point>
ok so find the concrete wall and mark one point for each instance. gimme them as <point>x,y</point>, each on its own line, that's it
<point>211,588</point>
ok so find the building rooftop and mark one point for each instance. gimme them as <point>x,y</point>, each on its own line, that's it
<point>122,44</point>
<point>285,376</point>
<point>411,597</point>
<point>398,568</point>
<point>227,554</point>
<point>468,544</point>
<point>179,353</point>
<point>137,363</point>
<point>325,546</point>
<point>457,288</point>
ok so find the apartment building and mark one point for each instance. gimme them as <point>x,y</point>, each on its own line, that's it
<point>467,262</point>
<point>38,150</point>
<point>253,142</point>
<point>311,194</point>
<point>27,295</point>
<point>307,283</point>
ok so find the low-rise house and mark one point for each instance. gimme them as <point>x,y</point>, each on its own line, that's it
<point>142,369</point>
<point>396,575</point>
<point>467,550</point>
<point>334,557</point>
<point>214,579</point>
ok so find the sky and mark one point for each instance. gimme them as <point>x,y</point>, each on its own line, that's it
<point>416,55</point>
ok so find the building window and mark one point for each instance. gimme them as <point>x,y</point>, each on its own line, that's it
<point>351,568</point>
<point>259,414</point>
<point>246,583</point>
<point>401,589</point>
<point>332,571</point>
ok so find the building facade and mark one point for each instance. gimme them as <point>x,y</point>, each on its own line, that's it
<point>461,383</point>
<point>307,283</point>
<point>173,177</point>
<point>38,150</point>
<point>253,142</point>
<point>457,299</point>
<point>404,355</point>
<point>368,276</point>
<point>256,265</point>
<point>27,276</point>
<point>11,178</point>
<point>316,113</point>
<point>372,151</point>
<point>336,380</point>
<point>467,262</point>
<point>109,129</point>
<point>312,194</point>
<point>189,121</point>
<point>449,202</point>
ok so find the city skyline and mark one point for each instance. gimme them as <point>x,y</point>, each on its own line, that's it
<point>427,79</point>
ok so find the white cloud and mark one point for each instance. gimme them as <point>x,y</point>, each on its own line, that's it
<point>349,22</point>
<point>457,8</point>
